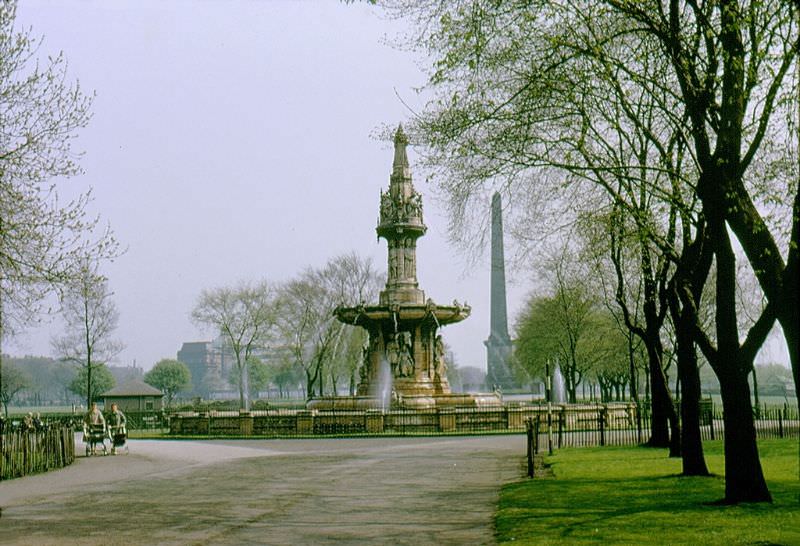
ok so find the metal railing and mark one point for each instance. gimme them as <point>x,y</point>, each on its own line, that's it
<point>563,426</point>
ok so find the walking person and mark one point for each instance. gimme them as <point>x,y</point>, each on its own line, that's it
<point>116,428</point>
<point>93,418</point>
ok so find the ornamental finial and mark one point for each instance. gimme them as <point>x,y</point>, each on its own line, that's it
<point>400,156</point>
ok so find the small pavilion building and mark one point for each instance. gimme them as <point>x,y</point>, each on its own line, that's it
<point>135,396</point>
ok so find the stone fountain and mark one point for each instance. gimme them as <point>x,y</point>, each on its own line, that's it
<point>403,363</point>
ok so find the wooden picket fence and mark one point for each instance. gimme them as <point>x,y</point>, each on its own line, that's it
<point>30,452</point>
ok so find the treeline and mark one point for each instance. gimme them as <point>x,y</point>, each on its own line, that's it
<point>44,381</point>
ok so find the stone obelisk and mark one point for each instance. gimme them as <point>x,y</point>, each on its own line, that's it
<point>498,346</point>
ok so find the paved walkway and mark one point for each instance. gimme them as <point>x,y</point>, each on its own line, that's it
<point>355,491</point>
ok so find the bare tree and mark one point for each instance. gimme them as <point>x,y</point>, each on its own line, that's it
<point>245,316</point>
<point>43,241</point>
<point>316,339</point>
<point>90,318</point>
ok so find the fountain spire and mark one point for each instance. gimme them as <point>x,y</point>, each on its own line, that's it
<point>401,225</point>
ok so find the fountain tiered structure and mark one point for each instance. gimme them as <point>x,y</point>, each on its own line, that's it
<point>404,363</point>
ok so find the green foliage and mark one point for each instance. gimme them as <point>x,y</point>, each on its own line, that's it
<point>12,380</point>
<point>170,377</point>
<point>259,376</point>
<point>634,495</point>
<point>102,380</point>
<point>570,329</point>
<point>536,336</point>
<point>285,375</point>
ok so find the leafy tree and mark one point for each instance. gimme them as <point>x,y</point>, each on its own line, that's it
<point>307,327</point>
<point>285,375</point>
<point>102,380</point>
<point>245,316</point>
<point>258,376</point>
<point>568,330</point>
<point>170,377</point>
<point>612,363</point>
<point>90,317</point>
<point>14,380</point>
<point>561,327</point>
<point>732,61</point>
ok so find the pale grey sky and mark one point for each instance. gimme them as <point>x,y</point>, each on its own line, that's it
<point>231,140</point>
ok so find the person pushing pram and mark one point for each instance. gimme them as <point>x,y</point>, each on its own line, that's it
<point>117,429</point>
<point>94,430</point>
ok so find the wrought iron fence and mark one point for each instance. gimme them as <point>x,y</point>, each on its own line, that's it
<point>562,426</point>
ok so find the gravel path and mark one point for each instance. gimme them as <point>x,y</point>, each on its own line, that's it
<point>353,491</point>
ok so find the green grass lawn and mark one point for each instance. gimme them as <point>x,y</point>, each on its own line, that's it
<point>633,495</point>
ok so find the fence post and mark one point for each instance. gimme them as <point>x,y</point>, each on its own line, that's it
<point>780,422</point>
<point>529,427</point>
<point>562,418</point>
<point>536,434</point>
<point>711,422</point>
<point>602,426</point>
<point>638,423</point>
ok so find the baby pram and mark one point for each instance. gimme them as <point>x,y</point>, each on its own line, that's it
<point>119,435</point>
<point>94,436</point>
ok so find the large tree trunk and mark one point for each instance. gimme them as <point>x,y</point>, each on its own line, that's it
<point>778,282</point>
<point>663,416</point>
<point>744,478</point>
<point>685,291</point>
<point>789,313</point>
<point>694,463</point>
<point>310,383</point>
<point>241,387</point>
<point>660,399</point>
<point>789,318</point>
